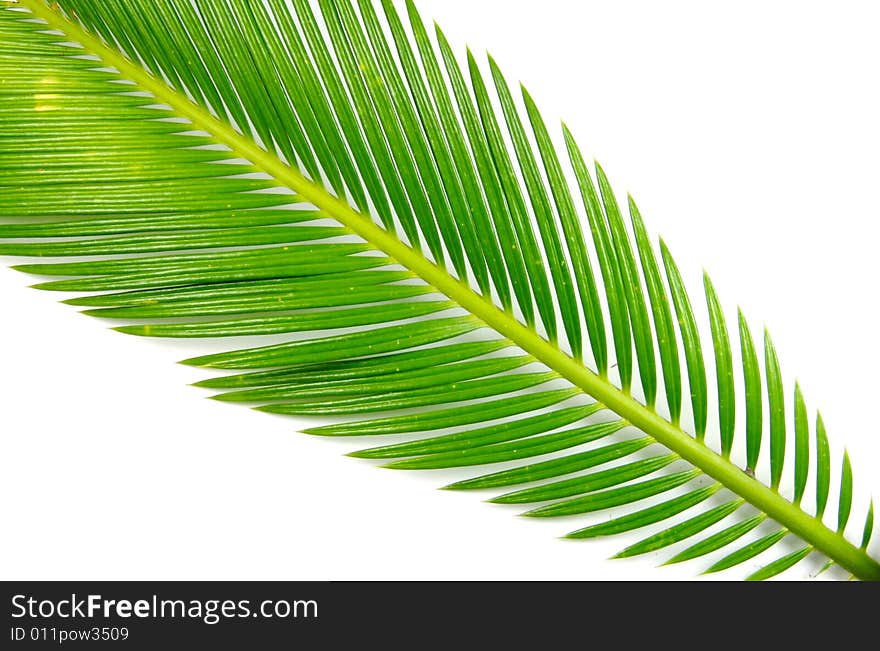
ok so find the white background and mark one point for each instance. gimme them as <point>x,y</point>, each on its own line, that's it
<point>748,133</point>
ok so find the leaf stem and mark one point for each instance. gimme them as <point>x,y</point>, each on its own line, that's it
<point>790,516</point>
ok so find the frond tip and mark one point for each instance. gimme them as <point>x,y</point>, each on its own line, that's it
<point>328,176</point>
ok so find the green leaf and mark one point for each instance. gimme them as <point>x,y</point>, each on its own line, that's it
<point>401,381</point>
<point>723,368</point>
<point>823,467</point>
<point>615,496</point>
<point>681,531</point>
<point>754,404</point>
<point>331,349</point>
<point>776,403</point>
<point>662,314</point>
<point>779,566</point>
<point>718,540</point>
<point>845,505</point>
<point>408,236</point>
<point>157,223</point>
<point>172,242</point>
<point>554,467</point>
<point>691,340</point>
<point>435,395</point>
<point>394,180</point>
<point>452,417</point>
<point>869,527</point>
<point>326,97</point>
<point>306,100</point>
<point>303,322</point>
<point>412,130</point>
<point>748,552</point>
<point>802,445</point>
<point>583,273</point>
<point>498,208</point>
<point>648,516</point>
<point>357,369</point>
<point>525,238</point>
<point>540,206</point>
<point>618,311</point>
<point>446,175</point>
<point>635,299</point>
<point>509,451</point>
<point>587,483</point>
<point>481,437</point>
<point>464,164</point>
<point>327,291</point>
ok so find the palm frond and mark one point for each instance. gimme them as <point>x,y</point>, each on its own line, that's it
<point>225,168</point>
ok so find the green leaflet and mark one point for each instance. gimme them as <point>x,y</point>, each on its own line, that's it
<point>469,440</point>
<point>723,368</point>
<point>260,296</point>
<point>157,222</point>
<point>615,497</point>
<point>499,210</point>
<point>509,451</point>
<point>868,531</point>
<point>442,394</point>
<point>175,242</point>
<point>691,340</point>
<point>681,531</point>
<point>781,565</point>
<point>543,214</point>
<point>360,73</point>
<point>647,516</point>
<point>843,508</point>
<point>525,238</point>
<point>618,311</point>
<point>303,322</point>
<point>442,157</point>
<point>452,417</point>
<point>662,314</point>
<point>777,412</point>
<point>587,483</point>
<point>193,263</point>
<point>465,165</point>
<point>754,403</point>
<point>290,288</point>
<point>554,467</point>
<point>371,367</point>
<point>718,540</point>
<point>331,349</point>
<point>581,262</point>
<point>748,552</point>
<point>802,445</point>
<point>401,381</point>
<point>632,289</point>
<point>278,168</point>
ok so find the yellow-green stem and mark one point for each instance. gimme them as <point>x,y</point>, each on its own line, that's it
<point>807,527</point>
